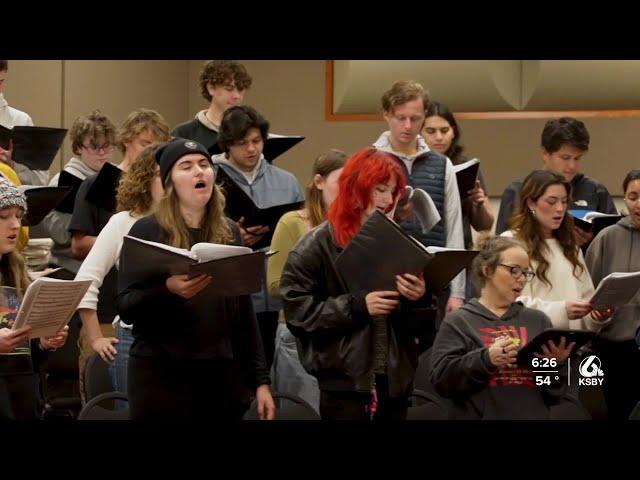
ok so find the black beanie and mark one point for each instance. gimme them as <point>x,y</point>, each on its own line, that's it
<point>170,152</point>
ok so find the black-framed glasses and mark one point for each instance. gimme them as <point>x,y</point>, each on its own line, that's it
<point>107,147</point>
<point>517,272</point>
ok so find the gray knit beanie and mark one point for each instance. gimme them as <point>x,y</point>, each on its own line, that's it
<point>10,196</point>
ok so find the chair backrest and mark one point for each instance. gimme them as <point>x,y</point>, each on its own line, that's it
<point>95,410</point>
<point>96,377</point>
<point>635,413</point>
<point>569,408</point>
<point>288,407</point>
<point>427,406</point>
<point>421,379</point>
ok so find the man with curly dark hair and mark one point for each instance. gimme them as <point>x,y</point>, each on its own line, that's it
<point>222,84</point>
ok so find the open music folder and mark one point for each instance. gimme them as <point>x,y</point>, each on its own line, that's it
<point>40,201</point>
<point>34,147</point>
<point>239,204</point>
<point>381,250</point>
<point>235,270</point>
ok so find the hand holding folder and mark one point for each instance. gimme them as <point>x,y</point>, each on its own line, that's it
<point>466,176</point>
<point>591,221</point>
<point>49,304</point>
<point>616,289</point>
<point>579,337</point>
<point>235,270</point>
<point>381,250</point>
<point>240,205</point>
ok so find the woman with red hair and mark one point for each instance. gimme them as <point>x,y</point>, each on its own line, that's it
<point>333,326</point>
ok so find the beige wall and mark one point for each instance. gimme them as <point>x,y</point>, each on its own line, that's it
<point>291,95</point>
<point>54,93</point>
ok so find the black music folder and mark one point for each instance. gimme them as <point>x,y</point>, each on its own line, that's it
<point>580,337</point>
<point>275,146</point>
<point>466,176</point>
<point>67,179</point>
<point>381,250</point>
<point>40,201</point>
<point>240,204</point>
<point>34,147</point>
<point>235,270</point>
<point>591,221</point>
<point>102,192</point>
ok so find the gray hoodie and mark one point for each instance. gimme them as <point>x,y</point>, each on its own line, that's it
<point>463,372</point>
<point>270,186</point>
<point>617,249</point>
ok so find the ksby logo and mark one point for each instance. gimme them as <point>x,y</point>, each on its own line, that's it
<point>591,371</point>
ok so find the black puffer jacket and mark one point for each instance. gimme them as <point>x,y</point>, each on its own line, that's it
<point>333,327</point>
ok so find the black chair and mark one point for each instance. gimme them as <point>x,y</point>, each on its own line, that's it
<point>288,407</point>
<point>427,406</point>
<point>569,408</point>
<point>58,378</point>
<point>635,413</point>
<point>422,382</point>
<point>96,377</point>
<point>95,408</point>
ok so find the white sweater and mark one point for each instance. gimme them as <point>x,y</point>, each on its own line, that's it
<point>104,254</point>
<point>564,287</point>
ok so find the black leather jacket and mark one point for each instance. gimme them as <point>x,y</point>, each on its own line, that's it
<point>333,327</point>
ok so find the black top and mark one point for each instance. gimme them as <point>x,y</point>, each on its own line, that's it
<point>206,326</point>
<point>90,219</point>
<point>586,194</point>
<point>196,130</point>
<point>333,327</point>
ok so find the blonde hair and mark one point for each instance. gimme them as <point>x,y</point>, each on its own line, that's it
<point>214,223</point>
<point>134,190</point>
<point>402,92</point>
<point>14,272</point>
<point>137,122</point>
<point>323,166</point>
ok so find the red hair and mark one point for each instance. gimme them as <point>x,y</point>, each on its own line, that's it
<point>362,172</point>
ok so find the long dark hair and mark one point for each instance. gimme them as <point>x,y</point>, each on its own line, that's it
<point>437,109</point>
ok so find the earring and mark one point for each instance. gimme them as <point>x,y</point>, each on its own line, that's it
<point>533,212</point>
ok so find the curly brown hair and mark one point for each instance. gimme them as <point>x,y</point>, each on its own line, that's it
<point>223,72</point>
<point>526,228</point>
<point>134,190</point>
<point>92,127</point>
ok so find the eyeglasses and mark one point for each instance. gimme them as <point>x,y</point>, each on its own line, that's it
<point>94,149</point>
<point>517,272</point>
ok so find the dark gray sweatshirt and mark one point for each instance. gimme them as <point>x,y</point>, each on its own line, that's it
<point>617,249</point>
<point>463,372</point>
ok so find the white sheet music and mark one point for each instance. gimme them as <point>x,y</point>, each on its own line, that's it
<point>616,289</point>
<point>49,304</point>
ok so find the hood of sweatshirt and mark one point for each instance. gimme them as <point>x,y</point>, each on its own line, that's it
<point>627,222</point>
<point>383,144</point>
<point>474,306</point>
